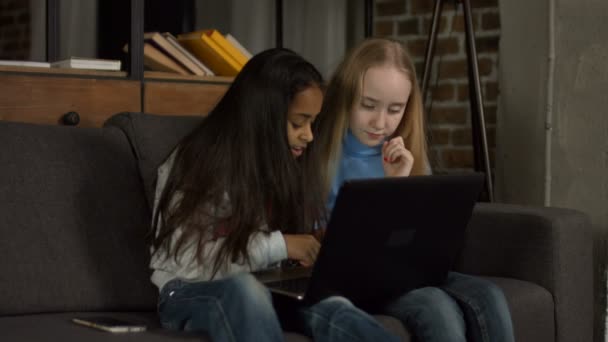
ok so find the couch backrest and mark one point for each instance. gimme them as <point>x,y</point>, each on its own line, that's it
<point>73,218</point>
<point>153,138</point>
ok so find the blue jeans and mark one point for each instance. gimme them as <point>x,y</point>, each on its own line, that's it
<point>337,319</point>
<point>237,308</point>
<point>465,308</point>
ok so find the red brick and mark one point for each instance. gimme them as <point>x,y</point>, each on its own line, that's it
<point>453,69</point>
<point>458,23</point>
<point>383,28</point>
<point>419,68</point>
<point>484,4</point>
<point>443,46</point>
<point>426,25</point>
<point>439,136</point>
<point>490,114</point>
<point>416,47</point>
<point>458,158</point>
<point>408,27</point>
<point>487,44</point>
<point>461,136</point>
<point>446,46</point>
<point>490,21</point>
<point>422,6</point>
<point>448,115</point>
<point>491,91</point>
<point>390,8</point>
<point>463,92</point>
<point>443,92</point>
<point>459,68</point>
<point>485,66</point>
<point>434,157</point>
<point>464,136</point>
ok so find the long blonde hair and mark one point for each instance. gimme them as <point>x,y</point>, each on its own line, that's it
<point>344,91</point>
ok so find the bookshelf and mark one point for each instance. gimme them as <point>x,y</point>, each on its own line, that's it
<point>86,98</point>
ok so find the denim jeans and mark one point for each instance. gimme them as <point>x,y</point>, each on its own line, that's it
<point>236,308</point>
<point>337,319</point>
<point>465,308</point>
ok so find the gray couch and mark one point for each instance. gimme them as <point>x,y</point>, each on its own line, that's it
<point>75,209</point>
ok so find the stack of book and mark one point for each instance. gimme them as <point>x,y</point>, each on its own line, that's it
<point>203,53</point>
<point>70,63</point>
<point>88,63</point>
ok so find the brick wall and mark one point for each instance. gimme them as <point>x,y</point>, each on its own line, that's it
<point>15,28</point>
<point>448,109</point>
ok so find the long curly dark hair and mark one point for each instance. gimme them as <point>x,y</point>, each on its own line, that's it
<point>241,151</point>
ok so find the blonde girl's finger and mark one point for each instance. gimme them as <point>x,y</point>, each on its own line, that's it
<point>388,155</point>
<point>385,145</point>
<point>389,147</point>
<point>398,154</point>
<point>393,152</point>
<point>398,141</point>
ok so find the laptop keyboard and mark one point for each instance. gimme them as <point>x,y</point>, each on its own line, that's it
<point>297,285</point>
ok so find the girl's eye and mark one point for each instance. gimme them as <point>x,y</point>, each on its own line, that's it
<point>296,126</point>
<point>394,110</point>
<point>367,106</point>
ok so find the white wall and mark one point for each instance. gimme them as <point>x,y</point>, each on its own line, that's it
<point>552,134</point>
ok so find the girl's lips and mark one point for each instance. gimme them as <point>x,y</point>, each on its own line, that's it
<point>297,151</point>
<point>374,136</point>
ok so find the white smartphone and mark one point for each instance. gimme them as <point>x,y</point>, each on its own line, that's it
<point>109,324</point>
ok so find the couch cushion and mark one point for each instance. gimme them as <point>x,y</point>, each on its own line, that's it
<point>38,328</point>
<point>73,218</point>
<point>532,309</point>
<point>153,138</point>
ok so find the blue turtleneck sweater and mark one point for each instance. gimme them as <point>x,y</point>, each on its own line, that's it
<point>357,161</point>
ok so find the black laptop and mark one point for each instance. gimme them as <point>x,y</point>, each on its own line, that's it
<point>385,236</point>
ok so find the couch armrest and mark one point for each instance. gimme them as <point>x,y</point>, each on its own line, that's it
<point>551,247</point>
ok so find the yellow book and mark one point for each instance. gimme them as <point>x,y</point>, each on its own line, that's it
<point>210,53</point>
<point>232,50</point>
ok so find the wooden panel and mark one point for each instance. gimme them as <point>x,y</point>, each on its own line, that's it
<point>169,76</point>
<point>45,99</point>
<point>172,98</point>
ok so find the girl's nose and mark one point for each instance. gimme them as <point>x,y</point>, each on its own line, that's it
<point>379,120</point>
<point>307,135</point>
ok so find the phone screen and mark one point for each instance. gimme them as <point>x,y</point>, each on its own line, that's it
<point>110,324</point>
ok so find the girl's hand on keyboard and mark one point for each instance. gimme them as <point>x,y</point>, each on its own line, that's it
<point>302,247</point>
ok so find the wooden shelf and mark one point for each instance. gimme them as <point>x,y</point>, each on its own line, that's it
<point>181,98</point>
<point>167,76</point>
<point>45,99</point>
<point>62,71</point>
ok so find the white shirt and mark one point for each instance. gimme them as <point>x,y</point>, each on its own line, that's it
<point>265,249</point>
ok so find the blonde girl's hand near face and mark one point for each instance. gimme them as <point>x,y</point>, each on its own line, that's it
<point>396,159</point>
<point>302,247</point>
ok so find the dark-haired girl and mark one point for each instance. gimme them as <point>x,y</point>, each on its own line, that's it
<point>239,194</point>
